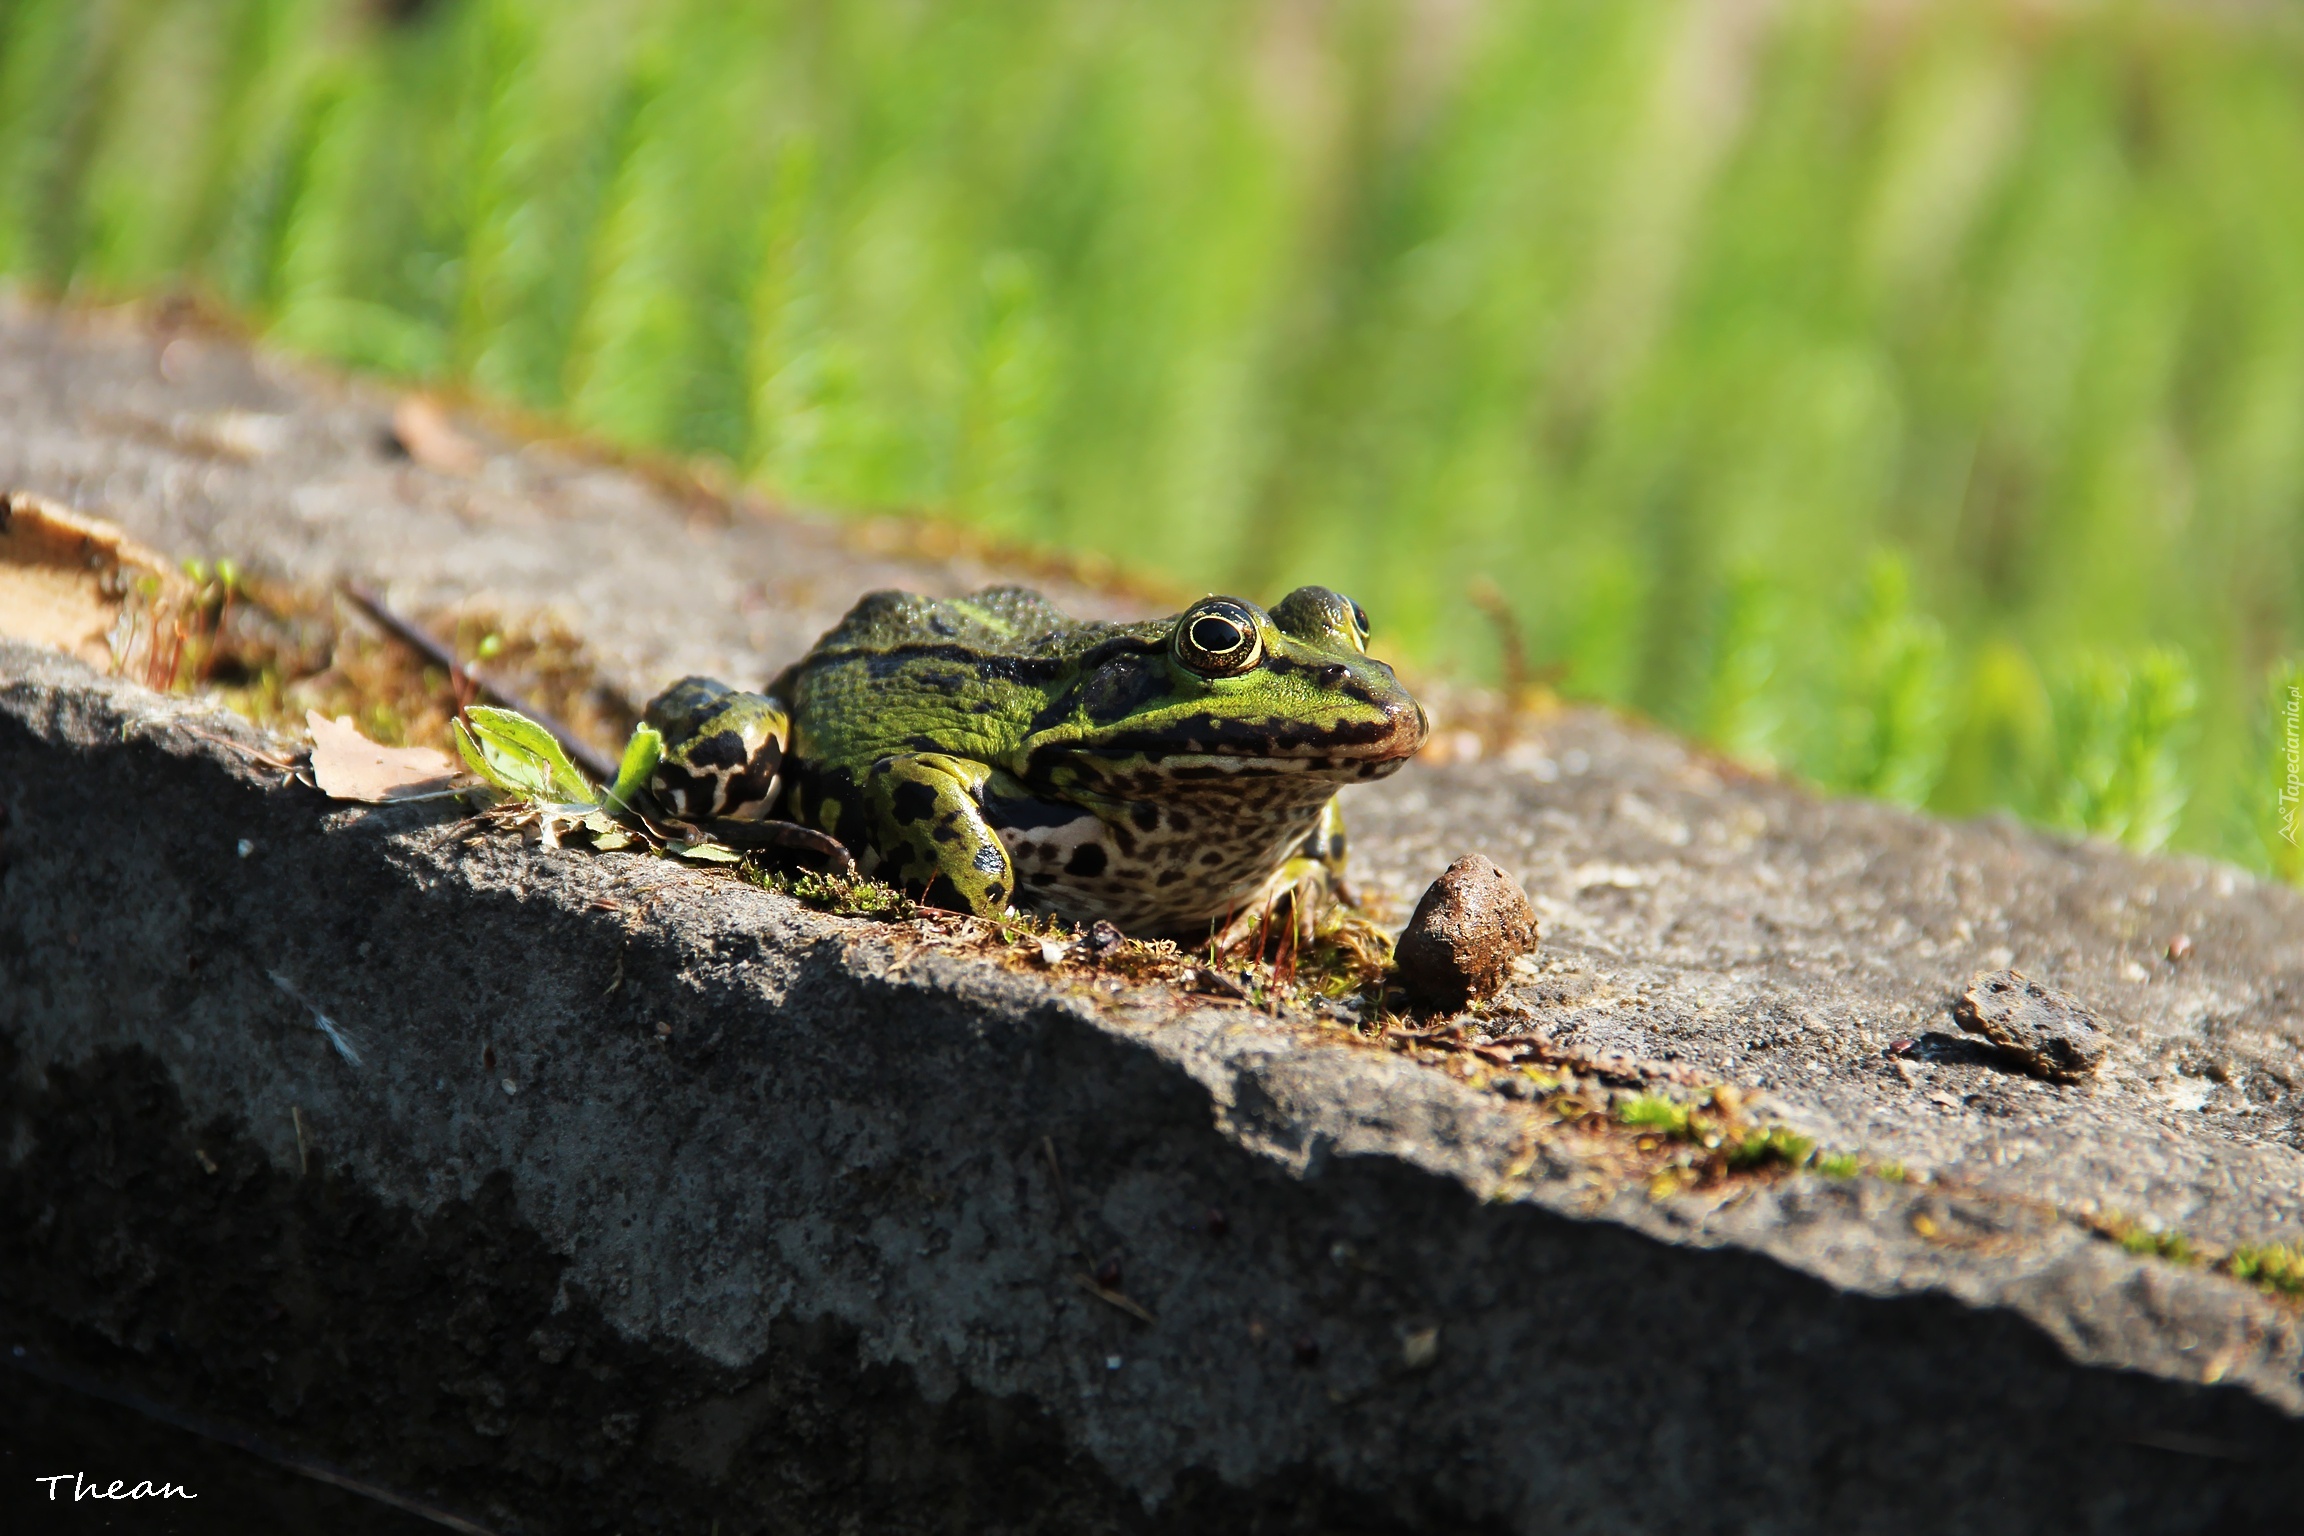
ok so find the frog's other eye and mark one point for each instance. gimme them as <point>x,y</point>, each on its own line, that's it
<point>1323,617</point>
<point>1218,638</point>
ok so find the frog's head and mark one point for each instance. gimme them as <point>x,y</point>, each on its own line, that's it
<point>1230,690</point>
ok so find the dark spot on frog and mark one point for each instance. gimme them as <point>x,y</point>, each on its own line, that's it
<point>912,801</point>
<point>1087,861</point>
<point>1146,817</point>
<point>722,749</point>
<point>1117,690</point>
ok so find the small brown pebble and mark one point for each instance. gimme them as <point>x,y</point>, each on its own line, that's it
<point>1469,928</point>
<point>2180,949</point>
<point>1216,1221</point>
<point>1108,1273</point>
<point>2052,1033</point>
<point>1900,1046</point>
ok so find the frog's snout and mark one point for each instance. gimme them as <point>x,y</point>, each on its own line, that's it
<point>1405,727</point>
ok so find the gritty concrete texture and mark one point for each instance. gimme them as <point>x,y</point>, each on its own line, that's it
<point>620,1196</point>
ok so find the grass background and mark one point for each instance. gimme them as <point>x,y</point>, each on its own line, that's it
<point>1909,393</point>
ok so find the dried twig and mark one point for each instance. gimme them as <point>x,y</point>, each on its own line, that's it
<point>254,755</point>
<point>468,682</point>
<point>1516,1050</point>
<point>1111,1297</point>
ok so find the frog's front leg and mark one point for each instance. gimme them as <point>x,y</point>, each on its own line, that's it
<point>927,828</point>
<point>1301,891</point>
<point>1324,845</point>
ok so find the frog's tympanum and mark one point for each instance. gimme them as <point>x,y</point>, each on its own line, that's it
<point>996,754</point>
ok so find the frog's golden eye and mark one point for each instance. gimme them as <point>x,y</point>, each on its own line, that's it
<point>1360,622</point>
<point>1218,638</point>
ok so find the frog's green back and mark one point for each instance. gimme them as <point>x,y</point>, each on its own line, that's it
<point>904,673</point>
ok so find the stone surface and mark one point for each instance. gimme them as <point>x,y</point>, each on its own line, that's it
<point>2048,1032</point>
<point>1468,928</point>
<point>655,1200</point>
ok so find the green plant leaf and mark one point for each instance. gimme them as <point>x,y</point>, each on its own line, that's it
<point>707,853</point>
<point>518,756</point>
<point>641,754</point>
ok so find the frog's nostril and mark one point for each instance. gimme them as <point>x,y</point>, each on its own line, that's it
<point>1333,675</point>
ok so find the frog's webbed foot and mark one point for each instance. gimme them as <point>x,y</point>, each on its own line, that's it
<point>758,835</point>
<point>1299,893</point>
<point>929,830</point>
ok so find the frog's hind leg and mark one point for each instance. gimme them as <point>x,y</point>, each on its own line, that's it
<point>723,751</point>
<point>928,829</point>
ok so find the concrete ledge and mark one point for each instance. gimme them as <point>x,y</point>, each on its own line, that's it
<point>626,1198</point>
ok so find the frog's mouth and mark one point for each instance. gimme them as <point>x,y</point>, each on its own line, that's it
<point>1206,747</point>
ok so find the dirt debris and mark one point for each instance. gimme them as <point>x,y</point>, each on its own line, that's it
<point>1472,924</point>
<point>2051,1033</point>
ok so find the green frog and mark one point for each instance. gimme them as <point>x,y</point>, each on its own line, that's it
<point>995,754</point>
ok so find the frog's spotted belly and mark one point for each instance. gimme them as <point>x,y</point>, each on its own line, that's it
<point>1174,867</point>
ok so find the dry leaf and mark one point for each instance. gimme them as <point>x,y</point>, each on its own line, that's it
<point>63,576</point>
<point>431,439</point>
<point>242,436</point>
<point>348,766</point>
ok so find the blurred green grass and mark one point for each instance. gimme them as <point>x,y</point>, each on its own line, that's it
<point>1909,395</point>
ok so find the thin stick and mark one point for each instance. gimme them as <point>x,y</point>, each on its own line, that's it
<point>1111,1297</point>
<point>469,681</point>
